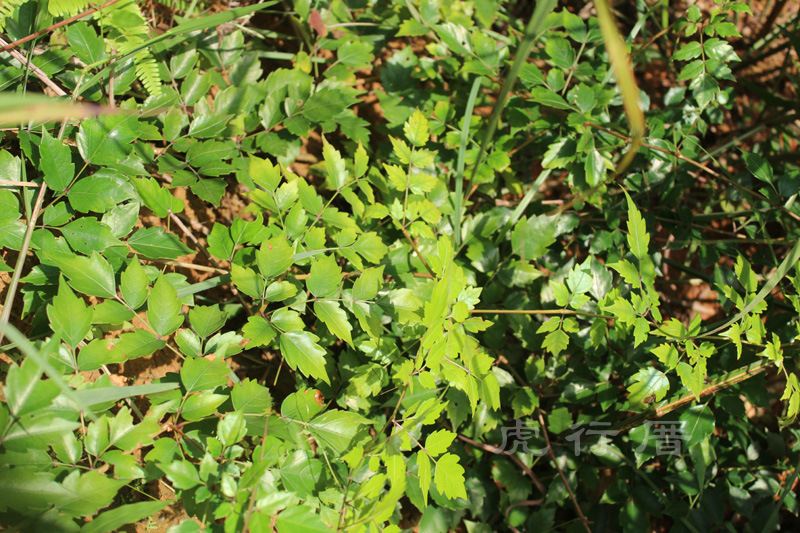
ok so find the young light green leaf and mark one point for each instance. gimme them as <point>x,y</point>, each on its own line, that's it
<point>649,385</point>
<point>449,477</point>
<point>368,284</point>
<point>416,129</point>
<point>438,442</point>
<point>638,238</point>
<point>334,164</point>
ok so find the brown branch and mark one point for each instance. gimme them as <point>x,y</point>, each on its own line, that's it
<point>552,454</point>
<point>55,26</point>
<point>697,164</point>
<point>416,251</point>
<point>494,449</point>
<point>36,71</point>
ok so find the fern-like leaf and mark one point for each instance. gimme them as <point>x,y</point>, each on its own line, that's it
<point>66,8</point>
<point>147,72</point>
<point>6,8</point>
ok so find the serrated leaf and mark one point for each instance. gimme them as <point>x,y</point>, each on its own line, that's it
<point>368,284</point>
<point>69,316</point>
<point>133,284</point>
<point>416,129</point>
<point>325,277</point>
<point>649,385</point>
<point>86,235</point>
<point>207,320</point>
<point>199,374</point>
<point>336,429</point>
<point>55,162</point>
<point>155,243</point>
<point>334,318</point>
<point>91,275</point>
<point>301,351</point>
<point>638,238</point>
<point>424,473</point>
<point>334,165</point>
<point>247,281</point>
<point>274,257</point>
<point>449,477</point>
<point>164,308</point>
<point>438,442</point>
<point>300,519</point>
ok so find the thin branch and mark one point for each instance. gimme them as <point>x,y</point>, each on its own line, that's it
<point>552,454</point>
<point>36,70</point>
<point>416,251</point>
<point>23,253</point>
<point>12,183</point>
<point>538,312</point>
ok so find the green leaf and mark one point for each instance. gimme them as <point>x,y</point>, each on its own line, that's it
<point>449,477</point>
<point>301,351</point>
<point>628,272</point>
<point>326,103</point>
<point>200,406</point>
<point>113,519</point>
<point>247,281</point>
<point>24,390</point>
<point>274,257</point>
<point>533,237</point>
<point>155,243</point>
<point>182,474</point>
<point>164,308</point>
<point>199,374</point>
<point>638,238</point>
<point>336,429</point>
<point>370,246</point>
<point>207,320</point>
<point>300,519</point>
<point>438,442</point>
<point>138,343</point>
<point>334,165</point>
<point>99,192</point>
<point>325,277</point>
<point>368,284</point>
<point>133,284</point>
<point>87,235</point>
<point>85,42</point>
<point>90,492</point>
<point>416,129</point>
<point>335,319</point>
<point>355,54</point>
<point>69,317</point>
<point>209,189</point>
<point>650,385</point>
<point>556,342</point>
<point>698,424</point>
<point>126,435</point>
<point>91,275</point>
<point>159,199</point>
<point>55,162</point>
<point>106,140</point>
<point>258,331</point>
<point>424,473</point>
<point>758,166</point>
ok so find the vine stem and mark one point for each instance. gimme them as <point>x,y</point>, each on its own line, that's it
<point>23,252</point>
<point>538,312</point>
<point>55,26</point>
<point>416,251</point>
<point>552,455</point>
